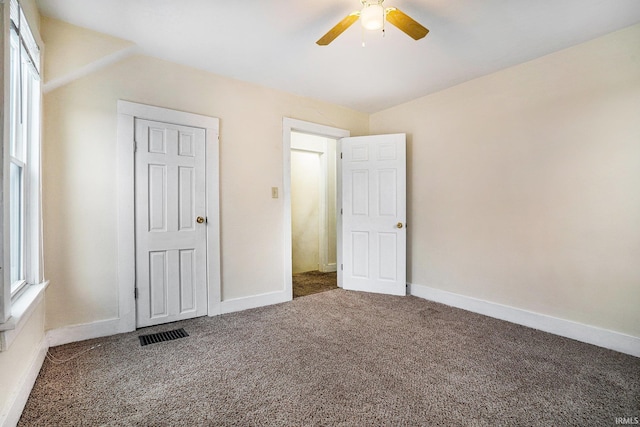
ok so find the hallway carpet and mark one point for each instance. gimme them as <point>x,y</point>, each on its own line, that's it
<point>312,282</point>
<point>337,358</point>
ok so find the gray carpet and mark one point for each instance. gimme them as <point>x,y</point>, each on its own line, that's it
<point>338,358</point>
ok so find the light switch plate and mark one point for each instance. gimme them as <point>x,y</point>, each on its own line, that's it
<point>274,192</point>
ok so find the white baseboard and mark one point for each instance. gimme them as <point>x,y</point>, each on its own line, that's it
<point>103,328</point>
<point>589,334</point>
<point>11,418</point>
<point>329,268</point>
<point>83,332</point>
<point>254,301</point>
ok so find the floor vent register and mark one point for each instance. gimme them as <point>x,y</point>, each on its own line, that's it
<point>162,336</point>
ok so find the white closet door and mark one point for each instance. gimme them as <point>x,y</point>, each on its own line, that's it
<point>170,222</point>
<point>374,213</point>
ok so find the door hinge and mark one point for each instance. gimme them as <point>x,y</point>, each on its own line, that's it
<point>135,293</point>
<point>341,266</point>
<point>340,211</point>
<point>135,146</point>
<point>340,155</point>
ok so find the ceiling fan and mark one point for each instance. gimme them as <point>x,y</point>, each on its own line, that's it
<point>372,17</point>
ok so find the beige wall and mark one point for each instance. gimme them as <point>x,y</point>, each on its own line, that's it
<point>15,363</point>
<point>70,48</point>
<point>305,210</point>
<point>524,185</point>
<point>79,177</point>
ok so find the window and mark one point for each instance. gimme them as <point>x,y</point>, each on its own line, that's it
<point>23,155</point>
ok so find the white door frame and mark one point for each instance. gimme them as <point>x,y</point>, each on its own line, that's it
<point>125,180</point>
<point>289,125</point>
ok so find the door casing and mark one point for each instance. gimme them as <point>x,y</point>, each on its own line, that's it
<point>289,125</point>
<point>125,181</point>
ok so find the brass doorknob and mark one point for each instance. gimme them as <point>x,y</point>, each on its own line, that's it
<point>399,225</point>
<point>200,220</point>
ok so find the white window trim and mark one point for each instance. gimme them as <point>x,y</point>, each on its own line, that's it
<point>21,310</point>
<point>16,309</point>
<point>5,291</point>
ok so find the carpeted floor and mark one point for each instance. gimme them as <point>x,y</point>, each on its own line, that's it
<point>312,282</point>
<point>338,358</point>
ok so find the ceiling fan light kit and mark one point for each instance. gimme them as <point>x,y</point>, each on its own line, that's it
<point>372,17</point>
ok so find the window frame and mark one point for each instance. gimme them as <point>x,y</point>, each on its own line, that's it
<point>25,126</point>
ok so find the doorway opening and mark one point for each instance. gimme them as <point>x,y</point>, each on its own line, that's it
<point>313,213</point>
<point>311,192</point>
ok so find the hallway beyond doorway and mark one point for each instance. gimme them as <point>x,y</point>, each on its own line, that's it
<point>313,282</point>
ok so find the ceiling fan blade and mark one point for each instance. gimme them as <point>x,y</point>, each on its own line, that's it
<point>338,29</point>
<point>405,23</point>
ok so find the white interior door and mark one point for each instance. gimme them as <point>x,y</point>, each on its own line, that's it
<point>374,213</point>
<point>170,222</point>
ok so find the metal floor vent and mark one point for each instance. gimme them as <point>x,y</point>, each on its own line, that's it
<point>162,336</point>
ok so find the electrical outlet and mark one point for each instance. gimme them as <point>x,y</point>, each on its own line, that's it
<point>274,192</point>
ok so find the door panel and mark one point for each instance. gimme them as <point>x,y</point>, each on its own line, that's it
<point>187,280</point>
<point>186,205</point>
<point>157,177</point>
<point>170,243</point>
<point>158,283</point>
<point>374,213</point>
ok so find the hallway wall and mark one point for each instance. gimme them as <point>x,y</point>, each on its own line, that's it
<point>305,210</point>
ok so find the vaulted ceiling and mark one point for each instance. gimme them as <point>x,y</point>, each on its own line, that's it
<point>272,43</point>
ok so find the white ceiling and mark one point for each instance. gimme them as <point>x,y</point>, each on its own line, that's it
<point>272,42</point>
